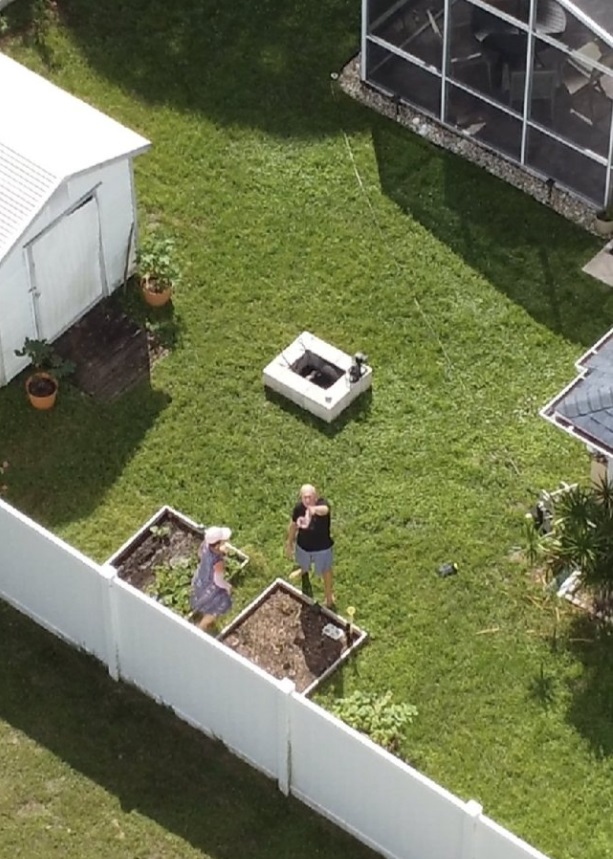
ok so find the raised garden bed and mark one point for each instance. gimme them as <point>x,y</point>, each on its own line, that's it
<point>162,556</point>
<point>289,635</point>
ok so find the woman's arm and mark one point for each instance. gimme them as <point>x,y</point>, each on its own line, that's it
<point>218,577</point>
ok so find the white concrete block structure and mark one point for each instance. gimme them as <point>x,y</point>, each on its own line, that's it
<point>316,377</point>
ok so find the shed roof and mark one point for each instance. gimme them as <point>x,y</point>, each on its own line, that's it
<point>585,407</point>
<point>46,136</point>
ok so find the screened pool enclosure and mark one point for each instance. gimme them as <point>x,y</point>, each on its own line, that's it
<point>531,79</point>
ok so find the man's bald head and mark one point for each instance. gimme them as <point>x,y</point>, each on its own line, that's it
<point>308,494</point>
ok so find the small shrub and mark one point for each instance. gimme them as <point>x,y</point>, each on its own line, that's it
<point>160,532</point>
<point>44,358</point>
<point>172,585</point>
<point>157,263</point>
<point>381,718</point>
<point>581,538</point>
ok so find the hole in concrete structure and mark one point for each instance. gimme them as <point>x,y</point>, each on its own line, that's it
<point>315,369</point>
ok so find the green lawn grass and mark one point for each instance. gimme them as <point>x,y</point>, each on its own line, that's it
<point>468,298</point>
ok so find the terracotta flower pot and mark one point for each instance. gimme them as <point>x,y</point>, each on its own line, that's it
<point>41,389</point>
<point>155,297</point>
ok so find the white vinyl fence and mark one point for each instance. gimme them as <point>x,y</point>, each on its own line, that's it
<point>54,584</point>
<point>340,773</point>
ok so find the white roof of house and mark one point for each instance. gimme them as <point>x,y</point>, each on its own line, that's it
<point>47,135</point>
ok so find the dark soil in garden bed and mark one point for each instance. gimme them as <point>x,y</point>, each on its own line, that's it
<point>137,563</point>
<point>284,636</point>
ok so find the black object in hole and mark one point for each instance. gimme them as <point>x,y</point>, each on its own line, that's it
<point>312,367</point>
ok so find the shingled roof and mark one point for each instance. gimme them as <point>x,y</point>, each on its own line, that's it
<point>584,408</point>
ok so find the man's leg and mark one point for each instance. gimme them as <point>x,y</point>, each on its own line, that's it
<point>328,591</point>
<point>303,559</point>
<point>323,567</point>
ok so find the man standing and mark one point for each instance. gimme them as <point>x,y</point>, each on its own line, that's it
<point>309,540</point>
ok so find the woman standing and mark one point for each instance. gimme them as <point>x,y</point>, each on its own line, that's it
<point>211,593</point>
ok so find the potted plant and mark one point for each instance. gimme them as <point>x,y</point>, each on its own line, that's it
<point>603,223</point>
<point>158,269</point>
<point>42,385</point>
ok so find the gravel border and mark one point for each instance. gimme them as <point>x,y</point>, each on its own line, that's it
<point>561,201</point>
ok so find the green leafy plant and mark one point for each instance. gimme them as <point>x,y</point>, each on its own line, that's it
<point>581,538</point>
<point>157,263</point>
<point>380,717</point>
<point>44,358</point>
<point>4,26</point>
<point>233,564</point>
<point>160,532</point>
<point>172,585</point>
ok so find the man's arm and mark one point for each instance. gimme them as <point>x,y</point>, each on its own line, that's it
<point>319,510</point>
<point>291,538</point>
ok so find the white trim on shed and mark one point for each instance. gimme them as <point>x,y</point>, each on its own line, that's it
<point>46,136</point>
<point>68,217</point>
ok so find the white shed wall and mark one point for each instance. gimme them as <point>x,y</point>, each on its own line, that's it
<point>114,190</point>
<point>16,313</point>
<point>115,201</point>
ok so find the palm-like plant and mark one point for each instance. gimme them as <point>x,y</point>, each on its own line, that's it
<point>581,537</point>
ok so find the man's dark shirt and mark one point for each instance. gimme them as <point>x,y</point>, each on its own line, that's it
<point>316,537</point>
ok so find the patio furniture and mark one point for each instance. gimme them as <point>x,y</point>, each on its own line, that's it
<point>479,60</point>
<point>545,83</point>
<point>577,72</point>
<point>484,25</point>
<point>550,18</point>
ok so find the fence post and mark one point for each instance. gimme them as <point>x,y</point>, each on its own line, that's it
<point>111,624</point>
<point>284,736</point>
<point>469,829</point>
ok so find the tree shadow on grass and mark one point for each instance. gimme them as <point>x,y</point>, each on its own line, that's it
<point>64,461</point>
<point>142,754</point>
<point>262,65</point>
<point>591,707</point>
<point>523,248</point>
<point>542,689</point>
